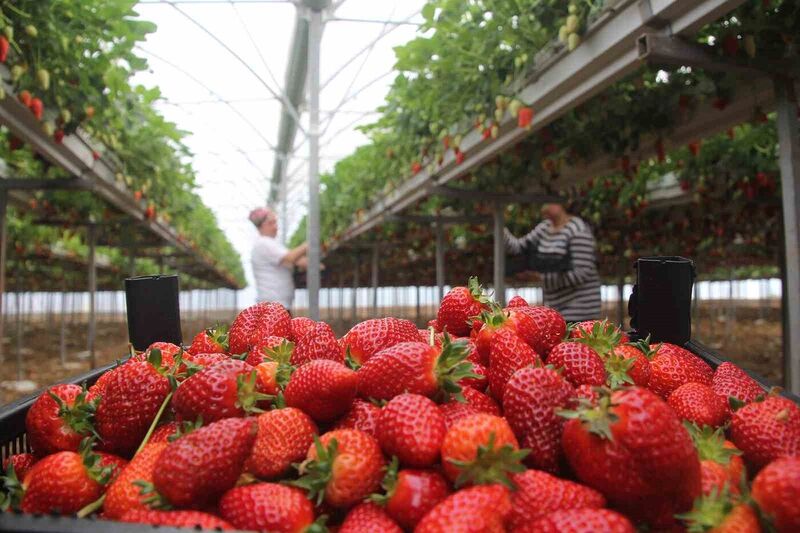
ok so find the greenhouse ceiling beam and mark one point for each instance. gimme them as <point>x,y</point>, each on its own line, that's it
<point>607,54</point>
<point>376,21</point>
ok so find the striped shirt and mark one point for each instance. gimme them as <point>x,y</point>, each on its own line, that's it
<point>574,293</point>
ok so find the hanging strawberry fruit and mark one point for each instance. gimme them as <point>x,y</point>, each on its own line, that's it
<point>4,45</point>
<point>525,117</point>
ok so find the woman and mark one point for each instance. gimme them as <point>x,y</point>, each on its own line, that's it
<point>564,247</point>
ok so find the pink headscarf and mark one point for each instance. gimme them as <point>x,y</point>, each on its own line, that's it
<point>259,215</point>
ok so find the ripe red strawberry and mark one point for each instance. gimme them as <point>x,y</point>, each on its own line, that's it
<point>508,353</point>
<point>499,320</point>
<point>211,340</point>
<point>367,338</point>
<point>549,325</point>
<point>167,349</point>
<point>410,494</point>
<point>59,419</point>
<point>264,350</point>
<point>731,381</point>
<point>699,404</point>
<point>64,482</point>
<point>627,364</point>
<point>721,513</point>
<point>133,395</point>
<point>226,389</point>
<point>531,399</point>
<point>435,325</point>
<point>113,463</point>
<point>720,461</point>
<point>767,430</point>
<point>267,507</point>
<point>368,518</point>
<point>362,415</point>
<point>37,108</point>
<point>256,322</point>
<point>580,521</point>
<point>580,364</point>
<point>599,331</point>
<point>197,469</point>
<point>164,432</point>
<point>483,508</point>
<point>4,46</point>
<point>343,467</point>
<point>455,410</point>
<point>25,97</point>
<point>480,401</point>
<point>203,360</point>
<point>416,368</point>
<point>323,389</point>
<point>776,490</point>
<point>300,325</point>
<point>123,494</point>
<point>633,449</point>
<point>586,392</point>
<point>21,462</point>
<point>283,438</point>
<point>412,428</point>
<point>459,305</point>
<point>481,382</point>
<point>481,449</point>
<point>188,519</point>
<point>539,493</point>
<point>517,301</point>
<point>672,366</point>
<point>319,343</point>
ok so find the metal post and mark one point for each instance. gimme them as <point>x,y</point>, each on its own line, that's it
<point>354,296</point>
<point>440,259</point>
<point>375,281</point>
<point>313,233</point>
<point>91,237</point>
<point>18,300</point>
<point>284,194</point>
<point>789,161</point>
<point>3,258</point>
<point>621,300</point>
<point>419,307</point>
<point>499,256</point>
<point>62,336</point>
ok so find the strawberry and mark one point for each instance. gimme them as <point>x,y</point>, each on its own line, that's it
<point>435,325</point>
<point>169,431</point>
<point>721,513</point>
<point>58,136</point>
<point>362,415</point>
<point>776,490</point>
<point>323,389</point>
<point>481,449</point>
<point>319,343</point>
<point>730,381</point>
<point>37,108</point>
<point>64,482</point>
<point>508,353</point>
<point>131,400</point>
<point>587,392</point>
<point>672,366</point>
<point>283,438</point>
<point>416,368</point>
<point>539,493</point>
<point>124,494</point>
<point>479,383</point>
<point>59,419</point>
<point>410,494</point>
<point>167,349</point>
<point>188,519</point>
<point>730,44</point>
<point>720,461</point>
<point>496,320</point>
<point>300,325</point>
<point>368,518</point>
<point>255,322</point>
<point>483,508</point>
<point>517,301</point>
<point>114,463</point>
<point>633,449</point>
<point>628,364</point>
<point>267,507</point>
<point>531,399</point>
<point>4,46</point>
<point>25,97</point>
<point>459,305</point>
<point>549,328</point>
<point>480,401</point>
<point>342,467</point>
<point>698,403</point>
<point>202,360</point>
<point>367,338</point>
<point>260,350</point>
<point>601,335</point>
<point>20,462</point>
<point>411,427</point>
<point>580,521</point>
<point>580,364</point>
<point>198,468</point>
<point>525,117</point>
<point>455,410</point>
<point>211,340</point>
<point>226,389</point>
<point>767,430</point>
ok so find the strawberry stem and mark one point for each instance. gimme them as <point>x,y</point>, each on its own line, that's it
<point>92,507</point>
<point>154,423</point>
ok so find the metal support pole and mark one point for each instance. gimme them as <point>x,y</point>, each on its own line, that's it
<point>354,296</point>
<point>621,301</point>
<point>18,300</point>
<point>62,335</point>
<point>789,161</point>
<point>91,238</point>
<point>3,258</point>
<point>440,259</point>
<point>419,307</point>
<point>313,234</point>
<point>375,281</point>
<point>499,256</point>
<point>284,195</point>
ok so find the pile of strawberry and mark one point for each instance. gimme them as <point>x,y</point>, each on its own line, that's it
<point>491,420</point>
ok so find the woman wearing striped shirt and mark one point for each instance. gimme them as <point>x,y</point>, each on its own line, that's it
<point>575,292</point>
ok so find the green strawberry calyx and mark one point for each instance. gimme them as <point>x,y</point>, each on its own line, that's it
<point>709,511</point>
<point>78,416</point>
<point>710,443</point>
<point>12,491</point>
<point>151,497</point>
<point>248,396</point>
<point>618,370</point>
<point>476,290</point>
<point>491,465</point>
<point>389,483</point>
<point>452,367</point>
<point>602,338</point>
<point>596,416</point>
<point>219,335</point>
<point>93,462</point>
<point>281,354</point>
<point>494,316</point>
<point>185,427</point>
<point>315,474</point>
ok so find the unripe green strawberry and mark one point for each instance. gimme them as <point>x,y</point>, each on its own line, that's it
<point>31,30</point>
<point>573,41</point>
<point>8,31</point>
<point>43,77</point>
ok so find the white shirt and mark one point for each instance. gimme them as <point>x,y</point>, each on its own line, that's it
<point>274,282</point>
